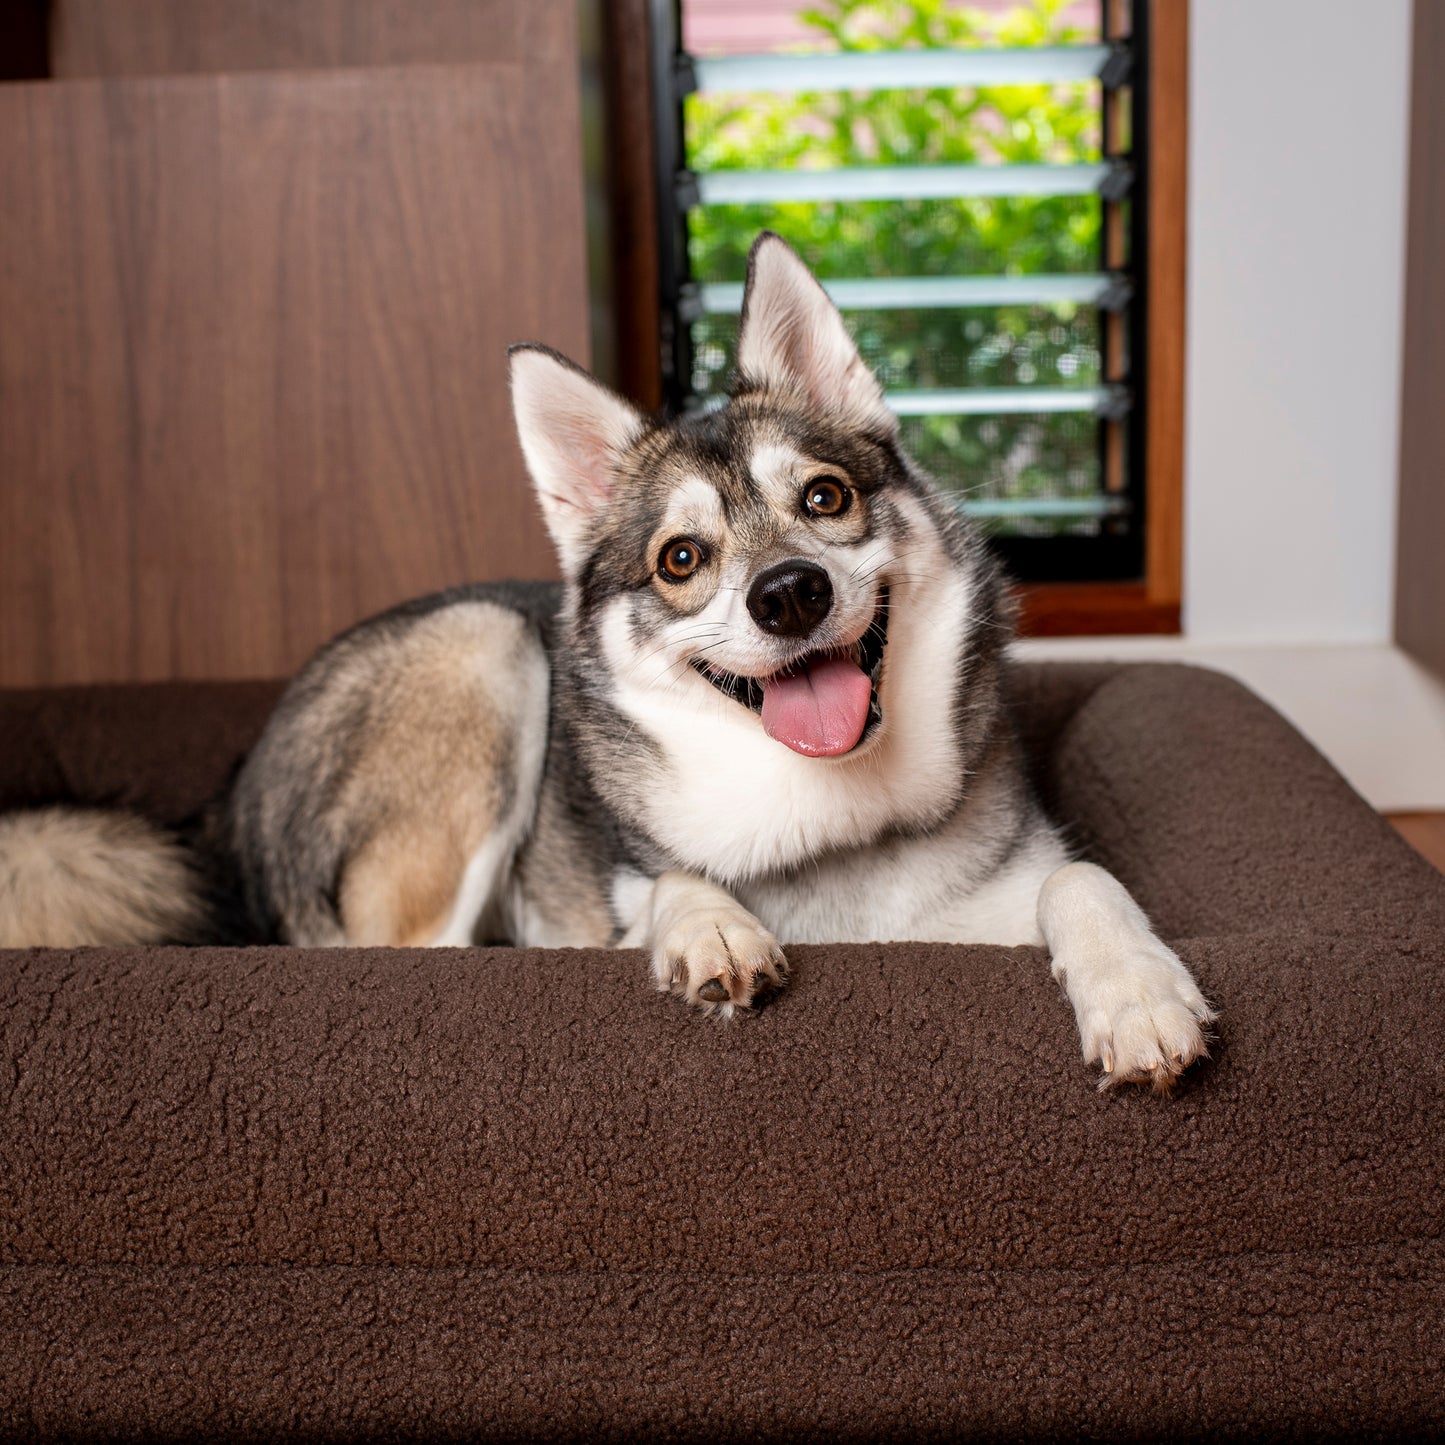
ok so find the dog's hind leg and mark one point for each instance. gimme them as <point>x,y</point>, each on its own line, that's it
<point>397,781</point>
<point>1140,1014</point>
<point>447,785</point>
<point>427,882</point>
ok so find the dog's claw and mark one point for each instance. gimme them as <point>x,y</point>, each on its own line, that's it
<point>726,959</point>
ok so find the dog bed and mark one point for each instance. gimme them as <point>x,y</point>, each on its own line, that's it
<point>513,1193</point>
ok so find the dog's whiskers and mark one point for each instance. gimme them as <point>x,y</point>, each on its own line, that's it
<point>671,643</point>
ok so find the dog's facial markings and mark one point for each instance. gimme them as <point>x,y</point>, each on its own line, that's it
<point>773,469</point>
<point>830,496</point>
<point>714,512</point>
<point>685,544</point>
<point>710,512</point>
<point>696,506</point>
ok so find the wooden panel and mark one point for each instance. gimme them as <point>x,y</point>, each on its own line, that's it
<point>1424,832</point>
<point>164,37</point>
<point>252,366</point>
<point>1164,382</point>
<point>1095,609</point>
<point>1420,565</point>
<point>630,158</point>
<point>596,190</point>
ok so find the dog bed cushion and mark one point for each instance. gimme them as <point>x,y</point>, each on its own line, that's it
<point>517,1193</point>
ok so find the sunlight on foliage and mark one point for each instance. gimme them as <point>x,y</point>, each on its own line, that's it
<point>1004,456</point>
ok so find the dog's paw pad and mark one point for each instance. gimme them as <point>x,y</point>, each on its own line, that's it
<point>1143,1022</point>
<point>720,961</point>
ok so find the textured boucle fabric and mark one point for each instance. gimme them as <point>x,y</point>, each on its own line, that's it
<point>1215,812</point>
<point>165,748</point>
<point>504,1193</point>
<point>1253,1347</point>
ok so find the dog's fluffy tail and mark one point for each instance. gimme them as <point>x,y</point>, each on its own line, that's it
<point>70,877</point>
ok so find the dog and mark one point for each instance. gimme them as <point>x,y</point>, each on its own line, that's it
<point>764,706</point>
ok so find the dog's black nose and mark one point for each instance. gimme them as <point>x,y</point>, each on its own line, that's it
<point>791,599</point>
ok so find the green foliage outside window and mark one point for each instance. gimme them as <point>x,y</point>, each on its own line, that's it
<point>993,456</point>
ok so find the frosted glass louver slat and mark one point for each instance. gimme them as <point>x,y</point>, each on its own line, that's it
<point>901,69</point>
<point>895,183</point>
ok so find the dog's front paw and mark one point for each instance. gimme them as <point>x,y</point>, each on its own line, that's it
<point>718,959</point>
<point>1141,1016</point>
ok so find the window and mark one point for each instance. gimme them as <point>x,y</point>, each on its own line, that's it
<point>973,189</point>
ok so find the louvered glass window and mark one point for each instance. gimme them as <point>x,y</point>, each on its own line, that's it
<point>964,181</point>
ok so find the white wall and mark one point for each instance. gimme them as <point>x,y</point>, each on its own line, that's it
<point>1298,146</point>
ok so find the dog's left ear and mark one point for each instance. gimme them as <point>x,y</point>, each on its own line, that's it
<point>793,339</point>
<point>574,432</point>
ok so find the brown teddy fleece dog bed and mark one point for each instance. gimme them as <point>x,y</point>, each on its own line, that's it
<point>500,1193</point>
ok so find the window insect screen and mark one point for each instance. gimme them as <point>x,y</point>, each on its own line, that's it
<point>953,174</point>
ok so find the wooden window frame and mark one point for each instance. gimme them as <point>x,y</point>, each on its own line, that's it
<point>1149,605</point>
<point>1152,604</point>
<point>1419,584</point>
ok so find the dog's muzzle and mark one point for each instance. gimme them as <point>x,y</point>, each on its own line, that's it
<point>790,599</point>
<point>823,703</point>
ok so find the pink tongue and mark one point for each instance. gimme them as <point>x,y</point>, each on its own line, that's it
<point>821,710</point>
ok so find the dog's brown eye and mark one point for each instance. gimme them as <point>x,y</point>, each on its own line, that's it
<point>680,559</point>
<point>826,497</point>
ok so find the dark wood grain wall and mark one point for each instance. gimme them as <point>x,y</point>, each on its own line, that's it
<point>1420,562</point>
<point>168,37</point>
<point>259,266</point>
<point>632,191</point>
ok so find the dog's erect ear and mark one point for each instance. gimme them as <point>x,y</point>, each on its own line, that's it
<point>792,338</point>
<point>573,432</point>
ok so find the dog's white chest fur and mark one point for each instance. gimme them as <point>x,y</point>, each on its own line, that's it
<point>946,886</point>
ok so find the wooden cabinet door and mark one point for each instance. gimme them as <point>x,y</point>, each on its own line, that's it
<point>258,275</point>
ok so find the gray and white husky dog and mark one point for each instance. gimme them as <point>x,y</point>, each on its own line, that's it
<point>764,707</point>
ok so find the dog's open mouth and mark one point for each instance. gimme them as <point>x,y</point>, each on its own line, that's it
<point>824,703</point>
